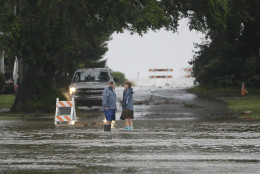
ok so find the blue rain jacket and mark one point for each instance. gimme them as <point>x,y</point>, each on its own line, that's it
<point>128,99</point>
<point>109,98</point>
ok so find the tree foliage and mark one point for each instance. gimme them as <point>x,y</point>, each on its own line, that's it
<point>120,76</point>
<point>2,81</point>
<point>54,37</point>
<point>232,55</point>
<point>230,52</point>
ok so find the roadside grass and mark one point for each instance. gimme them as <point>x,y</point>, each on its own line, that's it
<point>249,103</point>
<point>6,101</point>
<point>231,95</point>
<point>12,115</point>
<point>228,91</point>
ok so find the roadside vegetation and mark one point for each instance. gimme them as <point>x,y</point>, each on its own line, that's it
<point>214,91</point>
<point>66,42</point>
<point>247,106</point>
<point>6,101</point>
<point>121,77</point>
<point>2,81</point>
<point>223,91</point>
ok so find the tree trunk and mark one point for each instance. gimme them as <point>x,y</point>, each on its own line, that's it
<point>36,92</point>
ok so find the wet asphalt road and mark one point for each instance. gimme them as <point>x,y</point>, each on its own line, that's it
<point>175,132</point>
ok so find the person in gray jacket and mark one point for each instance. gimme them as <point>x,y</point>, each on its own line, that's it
<point>128,108</point>
<point>109,104</point>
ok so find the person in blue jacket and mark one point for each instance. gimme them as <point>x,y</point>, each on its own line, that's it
<point>109,104</point>
<point>128,108</point>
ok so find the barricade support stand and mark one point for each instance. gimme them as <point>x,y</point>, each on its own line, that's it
<point>71,119</point>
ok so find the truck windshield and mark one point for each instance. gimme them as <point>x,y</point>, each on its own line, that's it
<point>91,76</point>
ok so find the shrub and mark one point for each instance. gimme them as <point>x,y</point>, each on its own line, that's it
<point>2,81</point>
<point>120,76</point>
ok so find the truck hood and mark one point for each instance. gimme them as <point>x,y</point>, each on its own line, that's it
<point>89,85</point>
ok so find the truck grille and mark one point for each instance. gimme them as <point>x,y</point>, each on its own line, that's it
<point>89,91</point>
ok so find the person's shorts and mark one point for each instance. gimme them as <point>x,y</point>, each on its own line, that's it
<point>110,114</point>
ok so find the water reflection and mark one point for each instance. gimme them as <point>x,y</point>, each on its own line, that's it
<point>168,138</point>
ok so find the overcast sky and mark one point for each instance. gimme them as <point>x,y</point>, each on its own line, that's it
<point>131,54</point>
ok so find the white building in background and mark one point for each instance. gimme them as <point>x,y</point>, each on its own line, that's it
<point>16,71</point>
<point>17,64</point>
<point>2,62</point>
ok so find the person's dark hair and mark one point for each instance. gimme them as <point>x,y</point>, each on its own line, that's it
<point>129,84</point>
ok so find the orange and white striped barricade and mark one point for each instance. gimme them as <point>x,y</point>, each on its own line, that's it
<point>65,118</point>
<point>188,76</point>
<point>160,77</point>
<point>160,70</point>
<point>165,74</point>
<point>187,69</point>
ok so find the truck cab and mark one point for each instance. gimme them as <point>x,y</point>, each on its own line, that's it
<point>88,84</point>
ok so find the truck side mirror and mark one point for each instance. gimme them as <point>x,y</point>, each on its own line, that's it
<point>116,79</point>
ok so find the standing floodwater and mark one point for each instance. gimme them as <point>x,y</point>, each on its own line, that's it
<point>175,132</point>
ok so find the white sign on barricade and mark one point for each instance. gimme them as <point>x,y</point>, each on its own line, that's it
<point>65,118</point>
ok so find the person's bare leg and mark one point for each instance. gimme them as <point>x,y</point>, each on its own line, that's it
<point>108,122</point>
<point>127,124</point>
<point>131,124</point>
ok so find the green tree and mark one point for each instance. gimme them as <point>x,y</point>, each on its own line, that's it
<point>230,53</point>
<point>40,34</point>
<point>53,37</point>
<point>120,76</point>
<point>2,81</point>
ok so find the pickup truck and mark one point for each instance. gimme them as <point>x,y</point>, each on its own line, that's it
<point>88,84</point>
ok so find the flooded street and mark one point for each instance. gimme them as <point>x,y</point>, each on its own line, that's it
<point>174,132</point>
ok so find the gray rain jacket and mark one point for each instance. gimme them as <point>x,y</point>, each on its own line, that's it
<point>109,98</point>
<point>128,99</point>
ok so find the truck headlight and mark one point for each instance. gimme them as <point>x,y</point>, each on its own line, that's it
<point>72,91</point>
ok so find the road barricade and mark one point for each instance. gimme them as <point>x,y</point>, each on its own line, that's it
<point>163,74</point>
<point>160,77</point>
<point>159,70</point>
<point>188,70</point>
<point>69,118</point>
